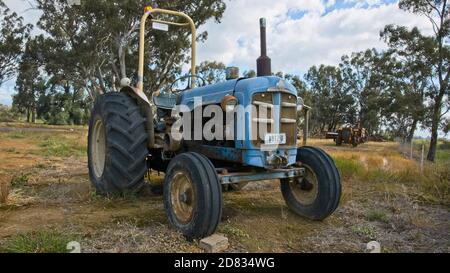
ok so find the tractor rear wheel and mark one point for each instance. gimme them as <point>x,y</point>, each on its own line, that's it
<point>316,195</point>
<point>117,145</point>
<point>193,195</point>
<point>339,140</point>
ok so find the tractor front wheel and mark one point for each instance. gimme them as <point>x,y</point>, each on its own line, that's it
<point>317,194</point>
<point>193,195</point>
<point>117,145</point>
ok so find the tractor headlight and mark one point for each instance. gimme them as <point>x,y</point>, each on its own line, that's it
<point>229,103</point>
<point>300,104</point>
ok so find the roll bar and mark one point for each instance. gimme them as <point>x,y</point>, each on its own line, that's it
<point>189,22</point>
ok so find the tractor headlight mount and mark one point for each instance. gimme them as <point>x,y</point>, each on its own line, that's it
<point>229,103</point>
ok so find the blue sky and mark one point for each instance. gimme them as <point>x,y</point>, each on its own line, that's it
<point>301,33</point>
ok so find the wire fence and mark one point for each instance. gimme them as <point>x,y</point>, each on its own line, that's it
<point>417,150</point>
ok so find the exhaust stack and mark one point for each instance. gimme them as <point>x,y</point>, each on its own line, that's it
<point>263,64</point>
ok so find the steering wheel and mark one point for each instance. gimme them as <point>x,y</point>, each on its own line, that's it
<point>203,83</point>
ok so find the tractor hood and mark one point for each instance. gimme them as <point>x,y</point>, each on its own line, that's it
<point>242,89</point>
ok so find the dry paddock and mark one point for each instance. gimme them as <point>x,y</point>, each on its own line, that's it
<point>47,201</point>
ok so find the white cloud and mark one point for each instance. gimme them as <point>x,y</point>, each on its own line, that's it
<point>301,33</point>
<point>26,9</point>
<point>295,45</point>
<point>6,91</point>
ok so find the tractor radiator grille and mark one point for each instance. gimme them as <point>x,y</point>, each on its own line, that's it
<point>281,116</point>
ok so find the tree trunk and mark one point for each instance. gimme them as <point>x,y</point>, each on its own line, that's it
<point>123,68</point>
<point>410,136</point>
<point>101,81</point>
<point>434,132</point>
<point>113,83</point>
<point>28,115</point>
<point>33,116</point>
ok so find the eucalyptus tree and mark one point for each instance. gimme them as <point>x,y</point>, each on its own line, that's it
<point>97,41</point>
<point>364,77</point>
<point>13,35</point>
<point>433,51</point>
<point>331,102</point>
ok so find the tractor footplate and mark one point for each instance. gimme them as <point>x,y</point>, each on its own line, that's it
<point>232,178</point>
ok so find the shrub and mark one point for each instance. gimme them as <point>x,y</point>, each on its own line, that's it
<point>7,114</point>
<point>60,118</point>
<point>37,242</point>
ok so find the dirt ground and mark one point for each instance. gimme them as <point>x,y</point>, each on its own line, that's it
<point>51,202</point>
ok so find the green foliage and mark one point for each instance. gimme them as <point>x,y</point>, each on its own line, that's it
<point>331,102</point>
<point>59,118</point>
<point>349,167</point>
<point>19,180</point>
<point>377,215</point>
<point>234,231</point>
<point>13,34</point>
<point>7,114</point>
<point>29,82</point>
<point>367,232</point>
<point>104,50</point>
<point>17,135</point>
<point>213,72</point>
<point>250,74</point>
<point>431,52</point>
<point>61,147</point>
<point>364,76</point>
<point>38,242</point>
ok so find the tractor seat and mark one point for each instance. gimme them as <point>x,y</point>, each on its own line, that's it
<point>165,100</point>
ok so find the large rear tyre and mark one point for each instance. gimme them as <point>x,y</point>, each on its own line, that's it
<point>315,196</point>
<point>193,195</point>
<point>339,140</point>
<point>117,145</point>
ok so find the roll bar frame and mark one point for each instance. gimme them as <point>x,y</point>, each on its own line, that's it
<point>189,22</point>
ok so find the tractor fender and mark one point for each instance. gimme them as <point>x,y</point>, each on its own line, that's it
<point>146,111</point>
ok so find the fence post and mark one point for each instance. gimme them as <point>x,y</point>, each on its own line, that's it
<point>411,150</point>
<point>421,158</point>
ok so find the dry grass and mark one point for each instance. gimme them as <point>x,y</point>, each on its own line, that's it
<point>4,192</point>
<point>382,167</point>
<point>385,198</point>
<point>4,188</point>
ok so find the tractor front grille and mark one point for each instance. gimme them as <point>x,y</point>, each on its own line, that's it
<point>281,109</point>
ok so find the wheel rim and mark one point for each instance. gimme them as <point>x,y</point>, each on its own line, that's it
<point>182,197</point>
<point>99,148</point>
<point>306,189</point>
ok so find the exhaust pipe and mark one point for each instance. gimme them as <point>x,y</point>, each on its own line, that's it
<point>263,64</point>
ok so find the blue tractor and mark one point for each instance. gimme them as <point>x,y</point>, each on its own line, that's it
<point>129,135</point>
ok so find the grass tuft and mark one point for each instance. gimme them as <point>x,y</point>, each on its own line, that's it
<point>37,242</point>
<point>234,231</point>
<point>19,180</point>
<point>349,167</point>
<point>377,215</point>
<point>17,135</point>
<point>367,232</point>
<point>61,147</point>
